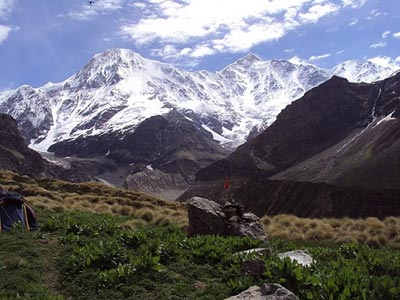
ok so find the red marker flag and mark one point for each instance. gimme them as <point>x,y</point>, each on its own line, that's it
<point>226,184</point>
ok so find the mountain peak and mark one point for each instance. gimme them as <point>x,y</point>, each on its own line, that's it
<point>249,59</point>
<point>107,68</point>
<point>357,71</point>
<point>118,52</point>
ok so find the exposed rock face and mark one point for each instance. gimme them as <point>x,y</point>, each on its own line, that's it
<point>208,217</point>
<point>167,186</point>
<point>334,152</point>
<point>265,292</point>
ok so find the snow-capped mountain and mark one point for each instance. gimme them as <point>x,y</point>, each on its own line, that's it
<point>118,89</point>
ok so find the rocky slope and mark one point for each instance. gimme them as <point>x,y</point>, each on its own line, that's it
<point>159,157</point>
<point>16,156</point>
<point>340,133</point>
<point>14,153</point>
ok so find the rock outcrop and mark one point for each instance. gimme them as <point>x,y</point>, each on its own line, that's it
<point>209,217</point>
<point>265,292</point>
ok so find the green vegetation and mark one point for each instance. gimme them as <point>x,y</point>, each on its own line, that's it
<point>96,242</point>
<point>90,256</point>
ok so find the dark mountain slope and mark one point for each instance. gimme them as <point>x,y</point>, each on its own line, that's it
<point>16,156</point>
<point>340,133</point>
<point>14,153</point>
<point>305,199</point>
<point>161,155</point>
<point>320,119</point>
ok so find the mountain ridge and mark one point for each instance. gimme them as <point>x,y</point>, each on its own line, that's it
<point>117,89</point>
<point>339,141</point>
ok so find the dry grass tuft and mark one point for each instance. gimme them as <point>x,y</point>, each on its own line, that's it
<point>370,231</point>
<point>58,196</point>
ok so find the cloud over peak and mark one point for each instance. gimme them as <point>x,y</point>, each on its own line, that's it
<point>220,26</point>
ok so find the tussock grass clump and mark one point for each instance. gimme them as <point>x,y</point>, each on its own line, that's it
<point>370,231</point>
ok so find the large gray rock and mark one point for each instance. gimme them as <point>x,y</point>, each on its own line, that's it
<point>265,292</point>
<point>208,217</point>
<point>205,217</point>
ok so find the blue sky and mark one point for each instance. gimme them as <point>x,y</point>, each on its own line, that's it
<point>49,40</point>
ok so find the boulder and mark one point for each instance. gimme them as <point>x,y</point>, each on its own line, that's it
<point>253,267</point>
<point>208,217</point>
<point>301,256</point>
<point>265,292</point>
<point>205,217</point>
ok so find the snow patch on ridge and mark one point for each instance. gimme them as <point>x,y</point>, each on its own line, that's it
<point>386,119</point>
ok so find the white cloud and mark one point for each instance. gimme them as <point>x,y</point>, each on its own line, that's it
<point>222,26</point>
<point>168,51</point>
<point>202,50</point>
<point>383,61</point>
<point>4,31</point>
<point>340,51</point>
<point>353,23</point>
<point>354,3</point>
<point>375,14</point>
<point>379,45</point>
<point>386,34</point>
<point>322,56</point>
<point>242,39</point>
<point>288,50</point>
<point>397,59</point>
<point>140,5</point>
<point>6,7</point>
<point>89,11</point>
<point>318,11</point>
<point>396,35</point>
<point>298,61</point>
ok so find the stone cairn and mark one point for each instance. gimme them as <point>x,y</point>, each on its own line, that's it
<point>209,217</point>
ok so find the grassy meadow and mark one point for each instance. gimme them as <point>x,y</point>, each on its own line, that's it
<point>96,242</point>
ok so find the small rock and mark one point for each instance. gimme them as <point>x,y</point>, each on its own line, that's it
<point>265,292</point>
<point>234,219</point>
